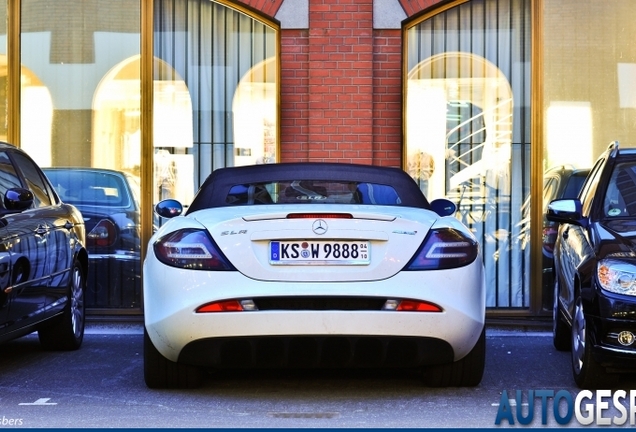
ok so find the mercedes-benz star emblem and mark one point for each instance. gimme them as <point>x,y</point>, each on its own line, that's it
<point>319,226</point>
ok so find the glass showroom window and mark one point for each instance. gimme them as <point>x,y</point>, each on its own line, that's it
<point>3,71</point>
<point>588,95</point>
<point>589,79</point>
<point>227,61</point>
<point>80,105</point>
<point>468,128</point>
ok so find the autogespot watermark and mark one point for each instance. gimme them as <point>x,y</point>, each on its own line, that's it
<point>10,422</point>
<point>598,408</point>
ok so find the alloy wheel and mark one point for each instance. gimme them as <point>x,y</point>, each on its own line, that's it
<point>555,306</point>
<point>578,336</point>
<point>77,301</point>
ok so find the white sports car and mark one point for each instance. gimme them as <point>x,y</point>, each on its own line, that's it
<point>312,265</point>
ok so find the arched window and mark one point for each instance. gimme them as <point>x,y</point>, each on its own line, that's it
<point>228,60</point>
<point>467,129</point>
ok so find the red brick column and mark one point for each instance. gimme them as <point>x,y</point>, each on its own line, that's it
<point>294,97</point>
<point>387,98</point>
<point>340,80</point>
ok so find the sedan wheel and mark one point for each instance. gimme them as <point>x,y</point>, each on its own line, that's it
<point>588,374</point>
<point>68,332</point>
<point>560,334</point>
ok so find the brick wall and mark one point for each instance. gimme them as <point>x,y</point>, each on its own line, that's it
<point>341,83</point>
<point>413,7</point>
<point>387,98</point>
<point>341,80</point>
<point>294,95</point>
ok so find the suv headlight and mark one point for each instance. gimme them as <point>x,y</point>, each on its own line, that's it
<point>617,276</point>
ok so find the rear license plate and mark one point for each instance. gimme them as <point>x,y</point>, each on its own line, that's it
<point>319,253</point>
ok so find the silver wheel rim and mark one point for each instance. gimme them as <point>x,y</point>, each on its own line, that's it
<point>578,336</point>
<point>77,302</point>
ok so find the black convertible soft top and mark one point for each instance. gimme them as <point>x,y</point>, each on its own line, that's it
<point>215,189</point>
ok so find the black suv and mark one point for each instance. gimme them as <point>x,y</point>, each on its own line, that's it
<point>594,312</point>
<point>563,181</point>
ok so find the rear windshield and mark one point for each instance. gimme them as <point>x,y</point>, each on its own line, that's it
<point>93,188</point>
<point>312,192</point>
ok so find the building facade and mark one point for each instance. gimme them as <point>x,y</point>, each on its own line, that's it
<point>476,99</point>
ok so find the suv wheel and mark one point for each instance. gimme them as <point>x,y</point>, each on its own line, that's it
<point>588,374</point>
<point>560,333</point>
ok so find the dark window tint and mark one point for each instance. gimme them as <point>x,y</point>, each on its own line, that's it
<point>549,191</point>
<point>574,185</point>
<point>8,177</point>
<point>34,179</point>
<point>620,196</point>
<point>312,192</point>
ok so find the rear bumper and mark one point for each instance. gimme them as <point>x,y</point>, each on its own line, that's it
<point>171,297</point>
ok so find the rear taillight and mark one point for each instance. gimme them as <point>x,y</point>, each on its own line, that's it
<point>549,236</point>
<point>104,234</point>
<point>190,249</point>
<point>444,248</point>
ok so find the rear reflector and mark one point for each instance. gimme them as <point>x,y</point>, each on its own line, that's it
<point>319,215</point>
<point>221,306</point>
<point>229,306</point>
<point>411,306</point>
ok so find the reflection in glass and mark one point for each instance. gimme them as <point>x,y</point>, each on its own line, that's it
<point>588,90</point>
<point>227,61</point>
<point>80,113</point>
<point>117,107</point>
<point>4,120</point>
<point>467,129</point>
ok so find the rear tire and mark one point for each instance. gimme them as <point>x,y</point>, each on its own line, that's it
<point>68,332</point>
<point>560,330</point>
<point>160,373</point>
<point>466,372</point>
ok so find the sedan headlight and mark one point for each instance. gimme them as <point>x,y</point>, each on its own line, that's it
<point>617,276</point>
<point>191,249</point>
<point>444,248</point>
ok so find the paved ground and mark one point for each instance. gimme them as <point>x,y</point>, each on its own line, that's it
<point>101,385</point>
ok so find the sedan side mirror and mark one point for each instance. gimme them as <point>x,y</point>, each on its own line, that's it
<point>18,199</point>
<point>169,208</point>
<point>566,211</point>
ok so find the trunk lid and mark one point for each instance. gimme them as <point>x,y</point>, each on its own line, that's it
<point>340,244</point>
